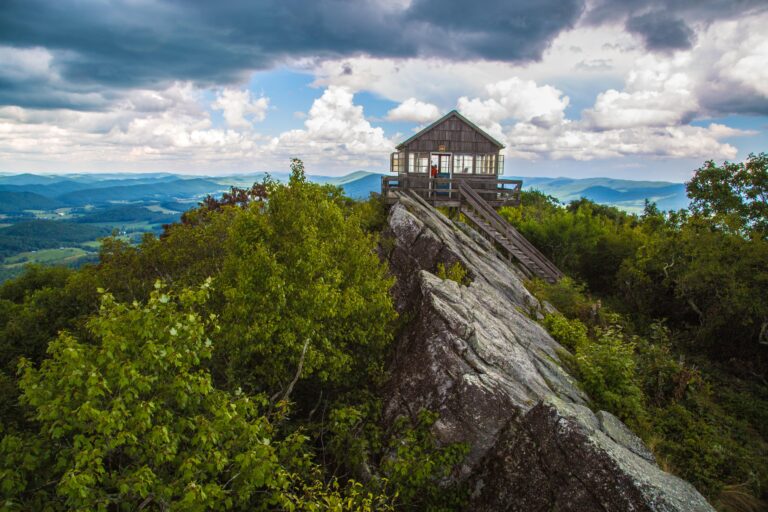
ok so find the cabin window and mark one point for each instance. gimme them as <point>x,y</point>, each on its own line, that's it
<point>484,164</point>
<point>462,164</point>
<point>396,162</point>
<point>488,164</point>
<point>500,169</point>
<point>418,162</point>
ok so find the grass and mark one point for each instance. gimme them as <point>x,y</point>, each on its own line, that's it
<point>60,256</point>
<point>58,214</point>
<point>160,209</point>
<point>14,265</point>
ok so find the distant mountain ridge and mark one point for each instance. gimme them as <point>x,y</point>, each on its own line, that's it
<point>75,189</point>
<point>628,195</point>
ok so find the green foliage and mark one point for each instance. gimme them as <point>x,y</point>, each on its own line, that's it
<point>301,272</point>
<point>734,195</point>
<point>608,373</point>
<point>417,466</point>
<point>585,240</point>
<point>572,334</point>
<point>605,365</point>
<point>125,403</point>
<point>702,279</point>
<point>135,419</point>
<point>456,272</point>
<point>404,460</point>
<point>566,295</point>
<point>712,449</point>
<point>36,306</point>
<point>699,424</point>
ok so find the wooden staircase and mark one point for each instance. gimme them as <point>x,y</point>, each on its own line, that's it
<point>506,237</point>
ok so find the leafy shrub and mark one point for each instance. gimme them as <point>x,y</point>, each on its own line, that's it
<point>299,271</point>
<point>604,365</point>
<point>406,461</point>
<point>118,434</point>
<point>607,371</point>
<point>572,334</point>
<point>455,272</point>
<point>417,466</point>
<point>566,295</point>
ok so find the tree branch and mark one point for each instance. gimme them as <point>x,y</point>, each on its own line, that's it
<point>298,372</point>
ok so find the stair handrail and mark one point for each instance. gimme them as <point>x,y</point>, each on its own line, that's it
<point>498,222</point>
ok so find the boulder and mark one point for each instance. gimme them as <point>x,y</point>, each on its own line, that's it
<point>476,355</point>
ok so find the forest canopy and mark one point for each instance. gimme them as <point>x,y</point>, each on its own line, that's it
<point>236,360</point>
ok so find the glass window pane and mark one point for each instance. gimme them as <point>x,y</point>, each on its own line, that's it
<point>420,163</point>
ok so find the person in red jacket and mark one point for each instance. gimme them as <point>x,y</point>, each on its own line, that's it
<point>433,174</point>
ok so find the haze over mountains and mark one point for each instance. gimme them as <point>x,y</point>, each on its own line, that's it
<point>60,218</point>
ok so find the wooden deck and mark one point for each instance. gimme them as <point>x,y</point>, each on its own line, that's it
<point>496,192</point>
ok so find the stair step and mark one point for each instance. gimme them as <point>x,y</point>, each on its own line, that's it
<point>514,244</point>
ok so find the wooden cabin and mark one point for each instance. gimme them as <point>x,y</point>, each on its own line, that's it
<point>451,151</point>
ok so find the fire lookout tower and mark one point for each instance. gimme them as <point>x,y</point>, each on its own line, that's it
<point>455,164</point>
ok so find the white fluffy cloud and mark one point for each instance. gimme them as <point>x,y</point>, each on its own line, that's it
<point>574,140</point>
<point>730,66</point>
<point>580,54</point>
<point>335,132</point>
<point>657,93</point>
<point>240,110</point>
<point>649,118</point>
<point>170,127</point>
<point>517,99</point>
<point>414,110</point>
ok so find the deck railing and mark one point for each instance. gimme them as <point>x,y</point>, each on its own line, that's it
<point>496,191</point>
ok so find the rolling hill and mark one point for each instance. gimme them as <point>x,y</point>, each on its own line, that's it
<point>11,202</point>
<point>628,195</point>
<point>146,191</point>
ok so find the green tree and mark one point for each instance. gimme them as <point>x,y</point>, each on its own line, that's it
<point>304,293</point>
<point>134,419</point>
<point>735,194</point>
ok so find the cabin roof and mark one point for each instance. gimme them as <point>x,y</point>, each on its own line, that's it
<point>452,113</point>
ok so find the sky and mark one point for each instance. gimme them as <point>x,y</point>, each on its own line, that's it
<point>634,89</point>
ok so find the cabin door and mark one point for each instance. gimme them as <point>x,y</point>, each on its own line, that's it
<point>443,163</point>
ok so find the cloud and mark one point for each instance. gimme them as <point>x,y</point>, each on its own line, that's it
<point>517,99</point>
<point>648,118</point>
<point>657,93</point>
<point>95,45</point>
<point>730,67</point>
<point>573,140</point>
<point>239,109</point>
<point>441,81</point>
<point>172,129</point>
<point>667,25</point>
<point>660,32</point>
<point>169,127</point>
<point>335,132</point>
<point>414,110</point>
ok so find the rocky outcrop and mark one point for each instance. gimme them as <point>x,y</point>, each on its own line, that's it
<point>474,355</point>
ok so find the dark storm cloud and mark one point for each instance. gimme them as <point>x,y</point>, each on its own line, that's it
<point>124,44</point>
<point>502,30</point>
<point>666,24</point>
<point>660,32</point>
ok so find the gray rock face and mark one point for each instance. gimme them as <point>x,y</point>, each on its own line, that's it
<point>473,354</point>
